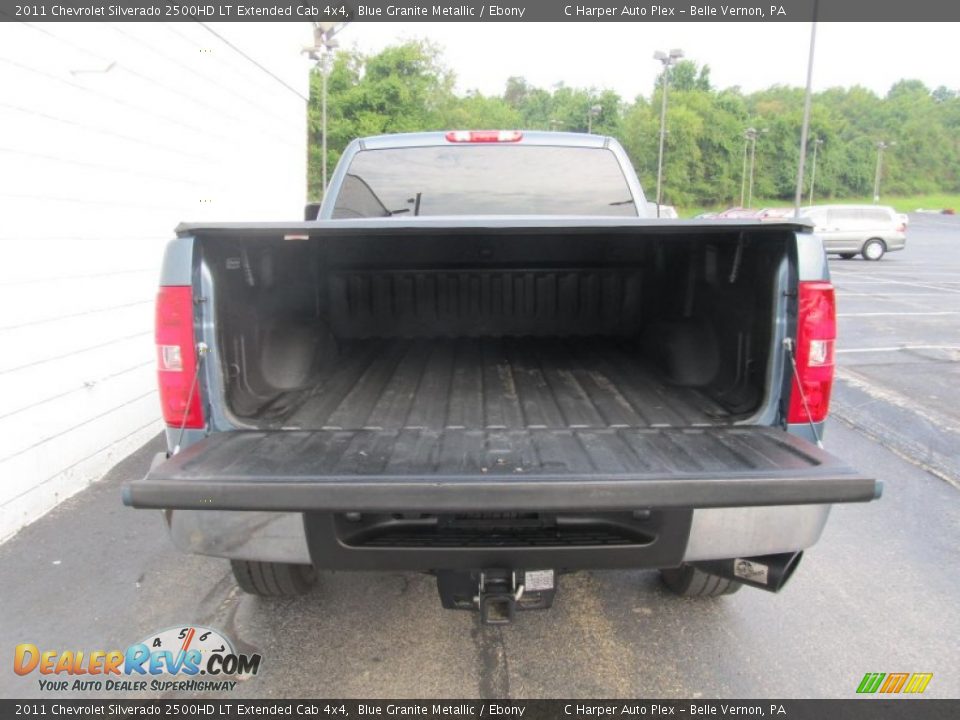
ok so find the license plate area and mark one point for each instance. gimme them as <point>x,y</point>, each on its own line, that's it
<point>498,529</point>
<point>522,539</point>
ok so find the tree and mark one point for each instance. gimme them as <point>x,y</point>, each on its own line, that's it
<point>401,89</point>
<point>407,88</point>
<point>685,75</point>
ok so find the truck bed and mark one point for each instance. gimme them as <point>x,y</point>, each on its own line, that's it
<point>492,383</point>
<point>495,328</point>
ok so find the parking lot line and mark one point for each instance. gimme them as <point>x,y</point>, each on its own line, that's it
<point>906,275</point>
<point>888,293</point>
<point>943,270</point>
<point>908,312</point>
<point>873,280</point>
<point>895,348</point>
<point>891,293</point>
<point>894,280</point>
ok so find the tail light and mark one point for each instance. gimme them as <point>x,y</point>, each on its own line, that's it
<point>484,136</point>
<point>816,334</point>
<point>177,358</point>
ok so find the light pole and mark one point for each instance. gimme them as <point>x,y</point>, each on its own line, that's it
<point>321,52</point>
<point>751,134</point>
<point>805,128</point>
<point>817,142</point>
<point>881,146</point>
<point>593,112</point>
<point>743,174</point>
<point>668,60</point>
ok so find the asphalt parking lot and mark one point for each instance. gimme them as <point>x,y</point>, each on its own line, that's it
<point>900,345</point>
<point>877,594</point>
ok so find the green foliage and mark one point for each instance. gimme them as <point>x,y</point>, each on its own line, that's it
<point>402,89</point>
<point>407,88</point>
<point>685,75</point>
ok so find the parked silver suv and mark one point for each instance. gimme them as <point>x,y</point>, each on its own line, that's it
<point>868,230</point>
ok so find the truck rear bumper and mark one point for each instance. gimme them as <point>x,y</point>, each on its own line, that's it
<point>714,533</point>
<point>417,499</point>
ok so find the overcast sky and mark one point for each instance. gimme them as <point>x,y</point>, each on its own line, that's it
<point>619,55</point>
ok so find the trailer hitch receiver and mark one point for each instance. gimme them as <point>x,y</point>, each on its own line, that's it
<point>497,598</point>
<point>496,593</point>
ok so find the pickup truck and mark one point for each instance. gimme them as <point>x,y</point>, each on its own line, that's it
<point>482,360</point>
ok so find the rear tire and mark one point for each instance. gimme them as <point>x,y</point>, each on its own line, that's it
<point>873,249</point>
<point>847,256</point>
<point>270,579</point>
<point>688,581</point>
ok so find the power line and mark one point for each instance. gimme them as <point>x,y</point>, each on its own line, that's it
<point>241,52</point>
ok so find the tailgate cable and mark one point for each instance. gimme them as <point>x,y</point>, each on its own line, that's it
<point>737,259</point>
<point>788,346</point>
<point>201,353</point>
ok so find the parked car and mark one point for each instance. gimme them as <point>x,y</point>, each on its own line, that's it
<point>849,230</point>
<point>738,213</point>
<point>776,213</point>
<point>482,361</point>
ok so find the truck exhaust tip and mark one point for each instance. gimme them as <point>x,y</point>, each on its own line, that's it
<point>767,572</point>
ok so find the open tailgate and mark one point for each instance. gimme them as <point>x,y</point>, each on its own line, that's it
<point>499,470</point>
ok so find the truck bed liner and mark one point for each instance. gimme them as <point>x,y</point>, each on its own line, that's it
<point>494,383</point>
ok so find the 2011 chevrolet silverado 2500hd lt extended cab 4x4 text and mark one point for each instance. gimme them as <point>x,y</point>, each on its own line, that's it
<point>482,360</point>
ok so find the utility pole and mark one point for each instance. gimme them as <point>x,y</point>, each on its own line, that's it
<point>321,52</point>
<point>881,146</point>
<point>593,112</point>
<point>808,97</point>
<point>817,142</point>
<point>751,135</point>
<point>743,175</point>
<point>668,60</point>
<point>324,72</point>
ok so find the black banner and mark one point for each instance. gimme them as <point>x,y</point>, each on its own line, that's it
<point>873,708</point>
<point>473,11</point>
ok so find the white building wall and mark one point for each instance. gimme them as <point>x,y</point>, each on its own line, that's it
<point>111,134</point>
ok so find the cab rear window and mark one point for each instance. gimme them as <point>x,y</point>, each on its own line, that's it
<point>486,179</point>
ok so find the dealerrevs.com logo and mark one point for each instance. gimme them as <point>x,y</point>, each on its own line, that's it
<point>182,659</point>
